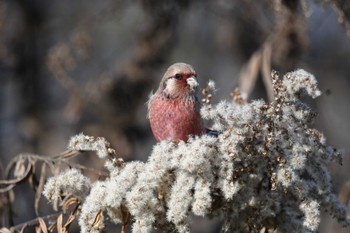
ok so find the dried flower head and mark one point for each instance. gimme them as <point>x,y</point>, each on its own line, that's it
<point>266,170</point>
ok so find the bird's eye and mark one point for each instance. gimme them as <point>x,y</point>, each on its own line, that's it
<point>178,76</point>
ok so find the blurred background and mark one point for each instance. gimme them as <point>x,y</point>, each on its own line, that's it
<point>88,66</point>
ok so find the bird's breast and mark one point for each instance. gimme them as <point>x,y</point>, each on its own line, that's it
<point>174,119</point>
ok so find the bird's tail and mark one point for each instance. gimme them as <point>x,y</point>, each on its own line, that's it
<point>212,132</point>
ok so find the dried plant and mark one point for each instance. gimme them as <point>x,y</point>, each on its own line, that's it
<point>342,9</point>
<point>265,171</point>
<point>287,39</point>
<point>23,168</point>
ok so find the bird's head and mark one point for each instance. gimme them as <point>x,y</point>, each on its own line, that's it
<point>179,81</point>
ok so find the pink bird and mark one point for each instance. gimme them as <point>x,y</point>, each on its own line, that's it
<point>173,110</point>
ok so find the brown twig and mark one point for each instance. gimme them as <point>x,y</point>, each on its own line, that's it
<point>342,9</point>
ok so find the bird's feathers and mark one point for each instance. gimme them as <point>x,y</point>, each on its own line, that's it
<point>174,109</point>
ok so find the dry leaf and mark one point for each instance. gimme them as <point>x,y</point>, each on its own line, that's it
<point>59,224</point>
<point>98,219</point>
<point>70,154</point>
<point>266,70</point>
<point>344,194</point>
<point>33,182</point>
<point>20,168</point>
<point>40,188</point>
<point>5,230</point>
<point>42,225</point>
<point>249,74</point>
<point>72,217</point>
<point>125,217</point>
<point>69,202</point>
<point>23,228</point>
<point>52,227</point>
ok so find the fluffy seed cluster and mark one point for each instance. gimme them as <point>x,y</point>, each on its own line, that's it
<point>267,169</point>
<point>69,182</point>
<point>83,142</point>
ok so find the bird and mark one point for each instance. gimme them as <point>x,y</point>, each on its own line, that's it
<point>174,109</point>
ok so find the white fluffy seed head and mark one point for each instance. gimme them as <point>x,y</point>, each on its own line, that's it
<point>192,82</point>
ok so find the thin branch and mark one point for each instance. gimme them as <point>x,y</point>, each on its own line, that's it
<point>35,221</point>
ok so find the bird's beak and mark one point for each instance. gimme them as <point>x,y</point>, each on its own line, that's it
<point>192,82</point>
